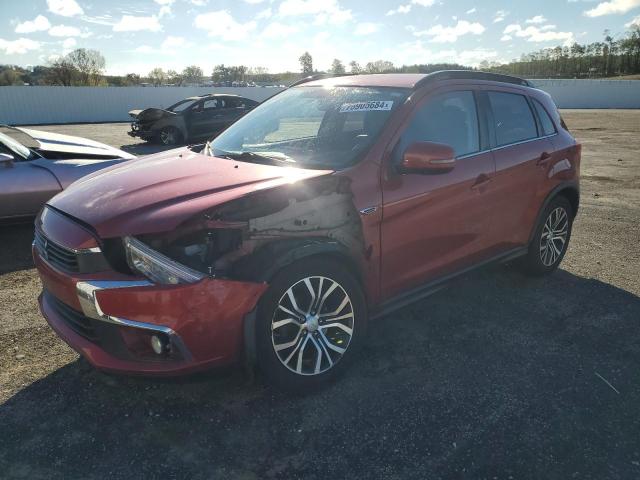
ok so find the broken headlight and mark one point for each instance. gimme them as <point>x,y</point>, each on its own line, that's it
<point>157,267</point>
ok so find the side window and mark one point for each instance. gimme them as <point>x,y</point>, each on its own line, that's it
<point>450,118</point>
<point>548,128</point>
<point>513,118</point>
<point>211,104</point>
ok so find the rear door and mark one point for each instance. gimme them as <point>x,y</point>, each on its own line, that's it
<point>204,117</point>
<point>520,149</point>
<point>434,224</point>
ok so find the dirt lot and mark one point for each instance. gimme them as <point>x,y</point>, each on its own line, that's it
<point>498,376</point>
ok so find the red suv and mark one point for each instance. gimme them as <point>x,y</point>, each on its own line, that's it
<point>334,202</point>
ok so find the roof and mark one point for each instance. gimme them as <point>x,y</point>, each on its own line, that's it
<point>207,95</point>
<point>398,80</point>
<point>410,80</point>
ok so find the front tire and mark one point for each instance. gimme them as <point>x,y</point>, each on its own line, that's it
<point>310,324</point>
<point>551,239</point>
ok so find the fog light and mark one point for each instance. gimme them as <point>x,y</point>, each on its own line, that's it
<point>158,345</point>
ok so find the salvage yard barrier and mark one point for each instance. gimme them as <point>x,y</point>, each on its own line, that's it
<point>26,105</point>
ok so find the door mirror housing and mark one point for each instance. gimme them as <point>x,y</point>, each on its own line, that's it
<point>428,157</point>
<point>6,160</point>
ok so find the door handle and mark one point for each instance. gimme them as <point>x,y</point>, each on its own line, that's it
<point>482,181</point>
<point>544,158</point>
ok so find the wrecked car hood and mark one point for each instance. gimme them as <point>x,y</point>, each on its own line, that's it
<point>57,143</point>
<point>158,192</point>
<point>149,114</point>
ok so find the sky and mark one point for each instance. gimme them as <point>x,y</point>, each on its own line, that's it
<point>137,35</point>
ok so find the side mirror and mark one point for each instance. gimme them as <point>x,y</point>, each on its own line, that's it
<point>428,157</point>
<point>6,160</point>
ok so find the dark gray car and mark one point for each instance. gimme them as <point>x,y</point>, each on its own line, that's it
<point>35,165</point>
<point>191,119</point>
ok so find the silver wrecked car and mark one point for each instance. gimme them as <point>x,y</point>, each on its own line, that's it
<point>35,165</point>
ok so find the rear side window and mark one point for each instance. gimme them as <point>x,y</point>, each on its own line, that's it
<point>451,119</point>
<point>545,120</point>
<point>513,119</point>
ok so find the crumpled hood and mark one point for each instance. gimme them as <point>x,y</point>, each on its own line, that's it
<point>76,146</point>
<point>158,192</point>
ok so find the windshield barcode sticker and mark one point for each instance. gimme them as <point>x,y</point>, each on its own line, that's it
<point>366,106</point>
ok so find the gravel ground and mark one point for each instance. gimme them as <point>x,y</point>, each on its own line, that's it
<point>498,376</point>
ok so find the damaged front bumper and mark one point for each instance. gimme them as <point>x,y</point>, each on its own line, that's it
<point>111,319</point>
<point>142,131</point>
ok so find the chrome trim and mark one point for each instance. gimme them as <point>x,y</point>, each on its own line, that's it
<point>468,155</point>
<point>91,308</point>
<point>77,251</point>
<point>368,210</point>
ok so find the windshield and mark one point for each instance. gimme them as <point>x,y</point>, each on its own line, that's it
<point>13,147</point>
<point>181,105</point>
<point>312,127</point>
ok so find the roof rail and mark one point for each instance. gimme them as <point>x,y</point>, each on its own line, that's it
<point>471,75</point>
<point>319,76</point>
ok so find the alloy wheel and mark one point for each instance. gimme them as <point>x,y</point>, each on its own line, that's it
<point>554,236</point>
<point>168,137</point>
<point>312,325</point>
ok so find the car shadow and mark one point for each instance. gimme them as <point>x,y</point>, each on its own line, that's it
<point>497,375</point>
<point>16,241</point>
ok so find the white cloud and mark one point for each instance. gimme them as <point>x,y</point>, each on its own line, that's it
<point>278,30</point>
<point>442,34</point>
<point>614,6</point>
<point>471,10</point>
<point>165,2</point>
<point>199,3</point>
<point>66,8</point>
<point>415,52</point>
<point>400,9</point>
<point>535,34</point>
<point>254,2</point>
<point>69,43</point>
<point>19,46</point>
<point>64,31</point>
<point>500,16</point>
<point>221,24</point>
<point>266,13</point>
<point>635,21</point>
<point>38,24</point>
<point>506,38</point>
<point>173,42</point>
<point>130,23</point>
<point>536,20</point>
<point>325,11</point>
<point>407,8</point>
<point>144,49</point>
<point>366,28</point>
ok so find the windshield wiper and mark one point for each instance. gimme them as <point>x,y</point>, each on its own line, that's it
<point>257,156</point>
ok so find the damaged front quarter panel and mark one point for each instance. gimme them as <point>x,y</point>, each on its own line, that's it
<point>252,237</point>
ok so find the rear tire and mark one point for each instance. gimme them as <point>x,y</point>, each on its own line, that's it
<point>310,323</point>
<point>170,136</point>
<point>551,238</point>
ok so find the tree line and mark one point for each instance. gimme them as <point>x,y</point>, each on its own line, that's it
<point>603,59</point>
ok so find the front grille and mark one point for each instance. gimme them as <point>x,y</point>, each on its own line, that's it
<point>75,320</point>
<point>60,257</point>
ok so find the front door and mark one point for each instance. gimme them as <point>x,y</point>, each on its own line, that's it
<point>24,188</point>
<point>434,224</point>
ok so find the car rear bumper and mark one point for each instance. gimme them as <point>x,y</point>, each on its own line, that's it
<point>110,319</point>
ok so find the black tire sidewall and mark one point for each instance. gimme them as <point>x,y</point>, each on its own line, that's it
<point>267,360</point>
<point>533,262</point>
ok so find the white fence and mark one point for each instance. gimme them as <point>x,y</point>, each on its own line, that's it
<point>592,93</point>
<point>43,105</point>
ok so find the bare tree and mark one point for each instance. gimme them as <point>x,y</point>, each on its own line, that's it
<point>355,67</point>
<point>306,62</point>
<point>90,65</point>
<point>192,74</point>
<point>62,72</point>
<point>157,76</point>
<point>337,68</point>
